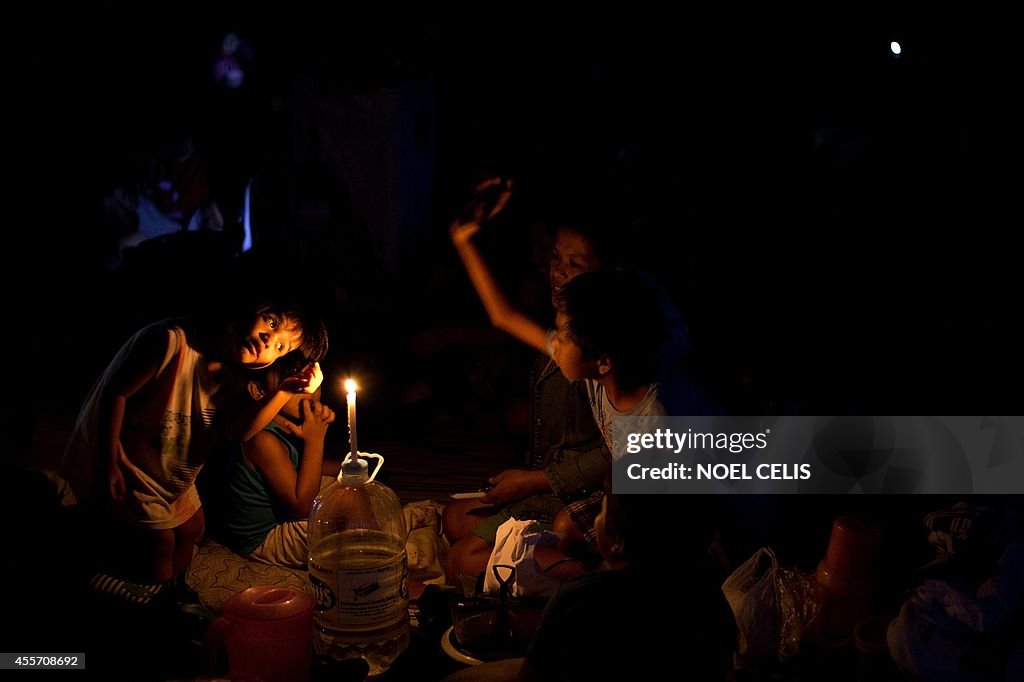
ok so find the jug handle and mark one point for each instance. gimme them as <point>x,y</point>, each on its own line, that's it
<point>214,640</point>
<point>380,463</point>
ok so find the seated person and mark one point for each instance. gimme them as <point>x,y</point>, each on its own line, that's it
<point>610,624</point>
<point>567,459</point>
<point>150,423</point>
<point>655,609</point>
<point>615,333</point>
<point>272,479</point>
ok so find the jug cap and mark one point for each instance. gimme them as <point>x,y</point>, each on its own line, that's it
<point>354,468</point>
<point>268,603</point>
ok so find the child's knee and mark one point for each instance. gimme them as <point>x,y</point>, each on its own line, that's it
<point>468,556</point>
<point>456,520</point>
<point>192,529</point>
<point>564,525</point>
<point>448,519</point>
<point>163,544</point>
<point>570,533</point>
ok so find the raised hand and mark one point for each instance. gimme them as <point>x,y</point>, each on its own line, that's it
<point>316,417</point>
<point>489,199</point>
<point>306,381</point>
<point>513,485</point>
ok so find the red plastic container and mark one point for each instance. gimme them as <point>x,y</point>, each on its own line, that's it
<point>268,632</point>
<point>846,578</point>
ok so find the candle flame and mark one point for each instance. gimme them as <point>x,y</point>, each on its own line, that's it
<point>350,386</point>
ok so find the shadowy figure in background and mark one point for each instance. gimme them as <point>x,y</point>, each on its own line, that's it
<point>236,132</point>
<point>566,459</point>
<point>177,186</point>
<point>151,420</point>
<point>611,624</point>
<point>270,481</point>
<point>168,196</point>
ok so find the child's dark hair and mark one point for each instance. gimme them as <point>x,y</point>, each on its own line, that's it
<point>314,333</point>
<point>212,319</point>
<point>619,314</point>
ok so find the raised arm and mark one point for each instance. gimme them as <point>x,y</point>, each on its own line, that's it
<point>250,420</point>
<point>294,489</point>
<point>500,310</point>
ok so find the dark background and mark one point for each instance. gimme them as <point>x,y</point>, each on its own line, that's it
<point>837,225</point>
<point>834,222</point>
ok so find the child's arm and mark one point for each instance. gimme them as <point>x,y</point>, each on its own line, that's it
<point>294,490</point>
<point>140,365</point>
<point>251,419</point>
<point>501,312</point>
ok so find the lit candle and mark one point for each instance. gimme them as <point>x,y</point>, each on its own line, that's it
<point>350,391</point>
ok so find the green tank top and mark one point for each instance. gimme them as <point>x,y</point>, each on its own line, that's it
<point>249,512</point>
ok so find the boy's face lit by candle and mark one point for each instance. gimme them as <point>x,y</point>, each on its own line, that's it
<point>569,357</point>
<point>270,337</point>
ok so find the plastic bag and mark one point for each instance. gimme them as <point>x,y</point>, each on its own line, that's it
<point>944,632</point>
<point>426,547</point>
<point>514,545</point>
<point>772,606</point>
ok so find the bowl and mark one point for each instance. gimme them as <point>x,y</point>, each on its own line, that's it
<point>476,621</point>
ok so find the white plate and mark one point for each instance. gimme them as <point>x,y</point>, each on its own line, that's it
<point>449,648</point>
